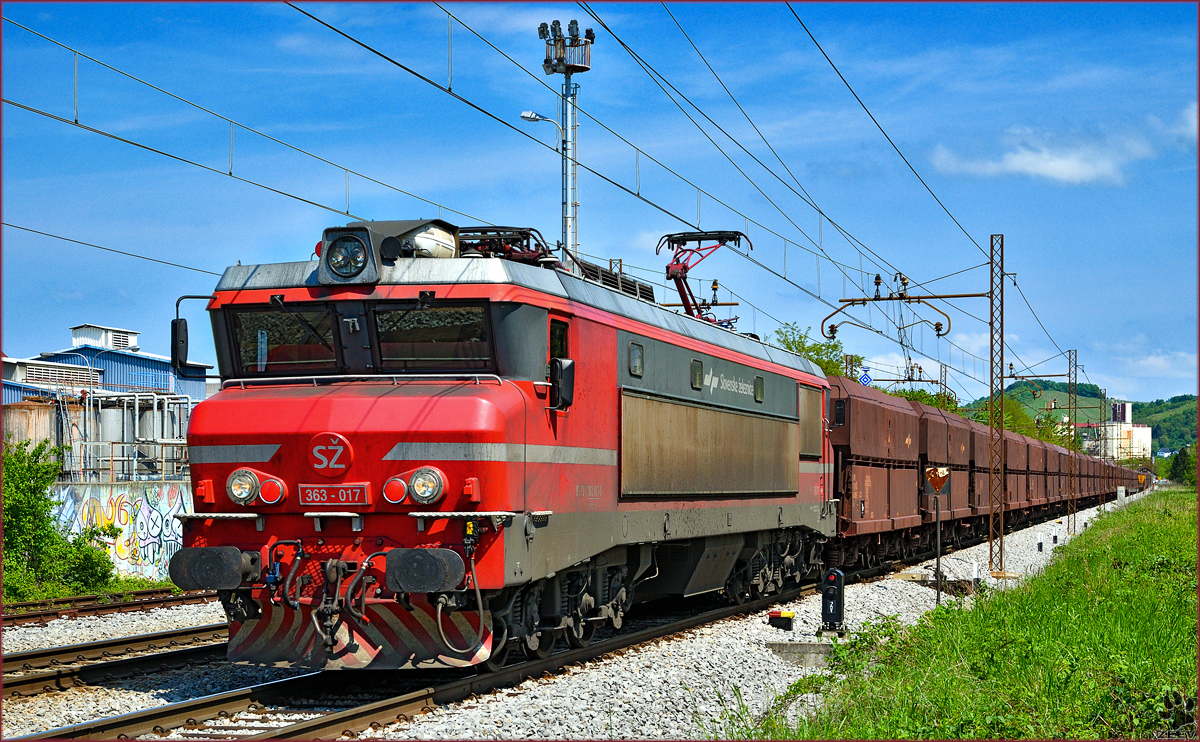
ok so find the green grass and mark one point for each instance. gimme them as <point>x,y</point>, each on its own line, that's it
<point>119,586</point>
<point>1092,648</point>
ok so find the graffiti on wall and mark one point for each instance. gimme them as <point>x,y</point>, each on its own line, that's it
<point>143,511</point>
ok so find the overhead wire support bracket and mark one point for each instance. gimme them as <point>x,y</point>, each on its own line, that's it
<point>902,296</point>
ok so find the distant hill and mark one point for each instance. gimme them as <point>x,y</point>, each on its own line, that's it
<point>1172,421</point>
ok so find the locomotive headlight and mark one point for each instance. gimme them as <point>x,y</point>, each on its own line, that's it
<point>242,486</point>
<point>347,256</point>
<point>426,486</point>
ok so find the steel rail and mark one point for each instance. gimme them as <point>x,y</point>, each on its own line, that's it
<point>64,678</point>
<point>36,659</point>
<point>73,607</point>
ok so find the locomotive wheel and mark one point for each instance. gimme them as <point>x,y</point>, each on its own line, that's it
<point>543,647</point>
<point>498,659</point>
<point>584,638</point>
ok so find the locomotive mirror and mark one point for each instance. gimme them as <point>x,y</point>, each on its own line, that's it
<point>179,344</point>
<point>562,383</point>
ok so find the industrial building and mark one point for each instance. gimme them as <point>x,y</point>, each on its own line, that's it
<point>1118,438</point>
<point>123,412</point>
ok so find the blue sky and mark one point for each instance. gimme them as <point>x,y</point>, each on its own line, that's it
<point>1069,128</point>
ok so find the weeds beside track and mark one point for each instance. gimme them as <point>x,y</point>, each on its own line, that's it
<point>1101,645</point>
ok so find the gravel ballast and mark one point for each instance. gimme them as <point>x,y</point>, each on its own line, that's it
<point>670,688</point>
<point>64,631</point>
<point>676,688</point>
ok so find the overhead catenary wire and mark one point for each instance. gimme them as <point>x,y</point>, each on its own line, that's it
<point>639,152</point>
<point>656,77</point>
<point>881,130</point>
<point>177,158</point>
<point>109,249</point>
<point>240,125</point>
<point>603,177</point>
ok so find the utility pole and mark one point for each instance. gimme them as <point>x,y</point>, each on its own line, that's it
<point>1072,411</point>
<point>943,387</point>
<point>568,55</point>
<point>996,460</point>
<point>996,448</point>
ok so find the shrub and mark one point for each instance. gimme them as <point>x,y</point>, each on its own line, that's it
<point>40,559</point>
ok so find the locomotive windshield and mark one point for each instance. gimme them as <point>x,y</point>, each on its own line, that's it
<point>274,341</point>
<point>412,338</point>
<point>292,339</point>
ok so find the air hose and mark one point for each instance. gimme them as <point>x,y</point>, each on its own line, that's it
<point>478,603</point>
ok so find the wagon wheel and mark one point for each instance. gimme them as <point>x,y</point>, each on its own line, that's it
<point>538,646</point>
<point>584,638</point>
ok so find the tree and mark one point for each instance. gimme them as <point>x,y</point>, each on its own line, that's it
<point>1183,468</point>
<point>927,397</point>
<point>830,356</point>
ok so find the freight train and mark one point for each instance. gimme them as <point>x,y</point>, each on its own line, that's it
<point>434,446</point>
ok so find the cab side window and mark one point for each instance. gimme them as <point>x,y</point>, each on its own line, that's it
<point>558,339</point>
<point>559,347</point>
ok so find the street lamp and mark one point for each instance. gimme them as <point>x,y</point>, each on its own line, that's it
<point>567,55</point>
<point>532,116</point>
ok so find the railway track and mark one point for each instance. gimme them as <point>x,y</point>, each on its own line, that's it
<point>99,605</point>
<point>58,668</point>
<point>305,707</point>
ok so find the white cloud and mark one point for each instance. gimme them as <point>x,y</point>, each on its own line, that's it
<point>1186,128</point>
<point>1039,154</point>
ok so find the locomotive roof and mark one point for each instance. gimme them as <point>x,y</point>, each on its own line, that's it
<point>431,271</point>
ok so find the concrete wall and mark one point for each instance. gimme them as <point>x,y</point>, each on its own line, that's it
<point>144,511</point>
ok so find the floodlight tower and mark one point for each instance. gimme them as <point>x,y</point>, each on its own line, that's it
<point>568,55</point>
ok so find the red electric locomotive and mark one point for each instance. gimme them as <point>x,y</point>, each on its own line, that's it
<point>433,445</point>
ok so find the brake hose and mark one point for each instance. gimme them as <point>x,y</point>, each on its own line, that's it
<point>294,604</point>
<point>478,603</point>
<point>353,587</point>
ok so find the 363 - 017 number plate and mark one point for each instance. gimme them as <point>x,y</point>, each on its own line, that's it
<point>334,495</point>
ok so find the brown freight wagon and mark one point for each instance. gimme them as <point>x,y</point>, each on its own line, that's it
<point>1016,468</point>
<point>877,451</point>
<point>945,441</point>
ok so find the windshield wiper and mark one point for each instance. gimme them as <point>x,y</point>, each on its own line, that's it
<point>424,301</point>
<point>277,299</point>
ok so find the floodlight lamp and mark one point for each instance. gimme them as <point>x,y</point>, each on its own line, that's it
<point>573,29</point>
<point>556,30</point>
<point>543,32</point>
<point>590,35</point>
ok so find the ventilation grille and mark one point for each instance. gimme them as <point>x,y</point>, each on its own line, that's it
<point>121,340</point>
<point>54,375</point>
<point>616,281</point>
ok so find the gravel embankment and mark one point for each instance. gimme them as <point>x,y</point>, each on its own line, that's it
<point>64,631</point>
<point>676,688</point>
<point>672,688</point>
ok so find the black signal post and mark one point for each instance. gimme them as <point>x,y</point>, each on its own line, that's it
<point>833,602</point>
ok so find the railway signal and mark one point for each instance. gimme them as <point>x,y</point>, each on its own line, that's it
<point>833,602</point>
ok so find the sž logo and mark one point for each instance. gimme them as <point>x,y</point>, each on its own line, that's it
<point>330,454</point>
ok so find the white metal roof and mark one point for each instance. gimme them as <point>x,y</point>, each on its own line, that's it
<point>104,327</point>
